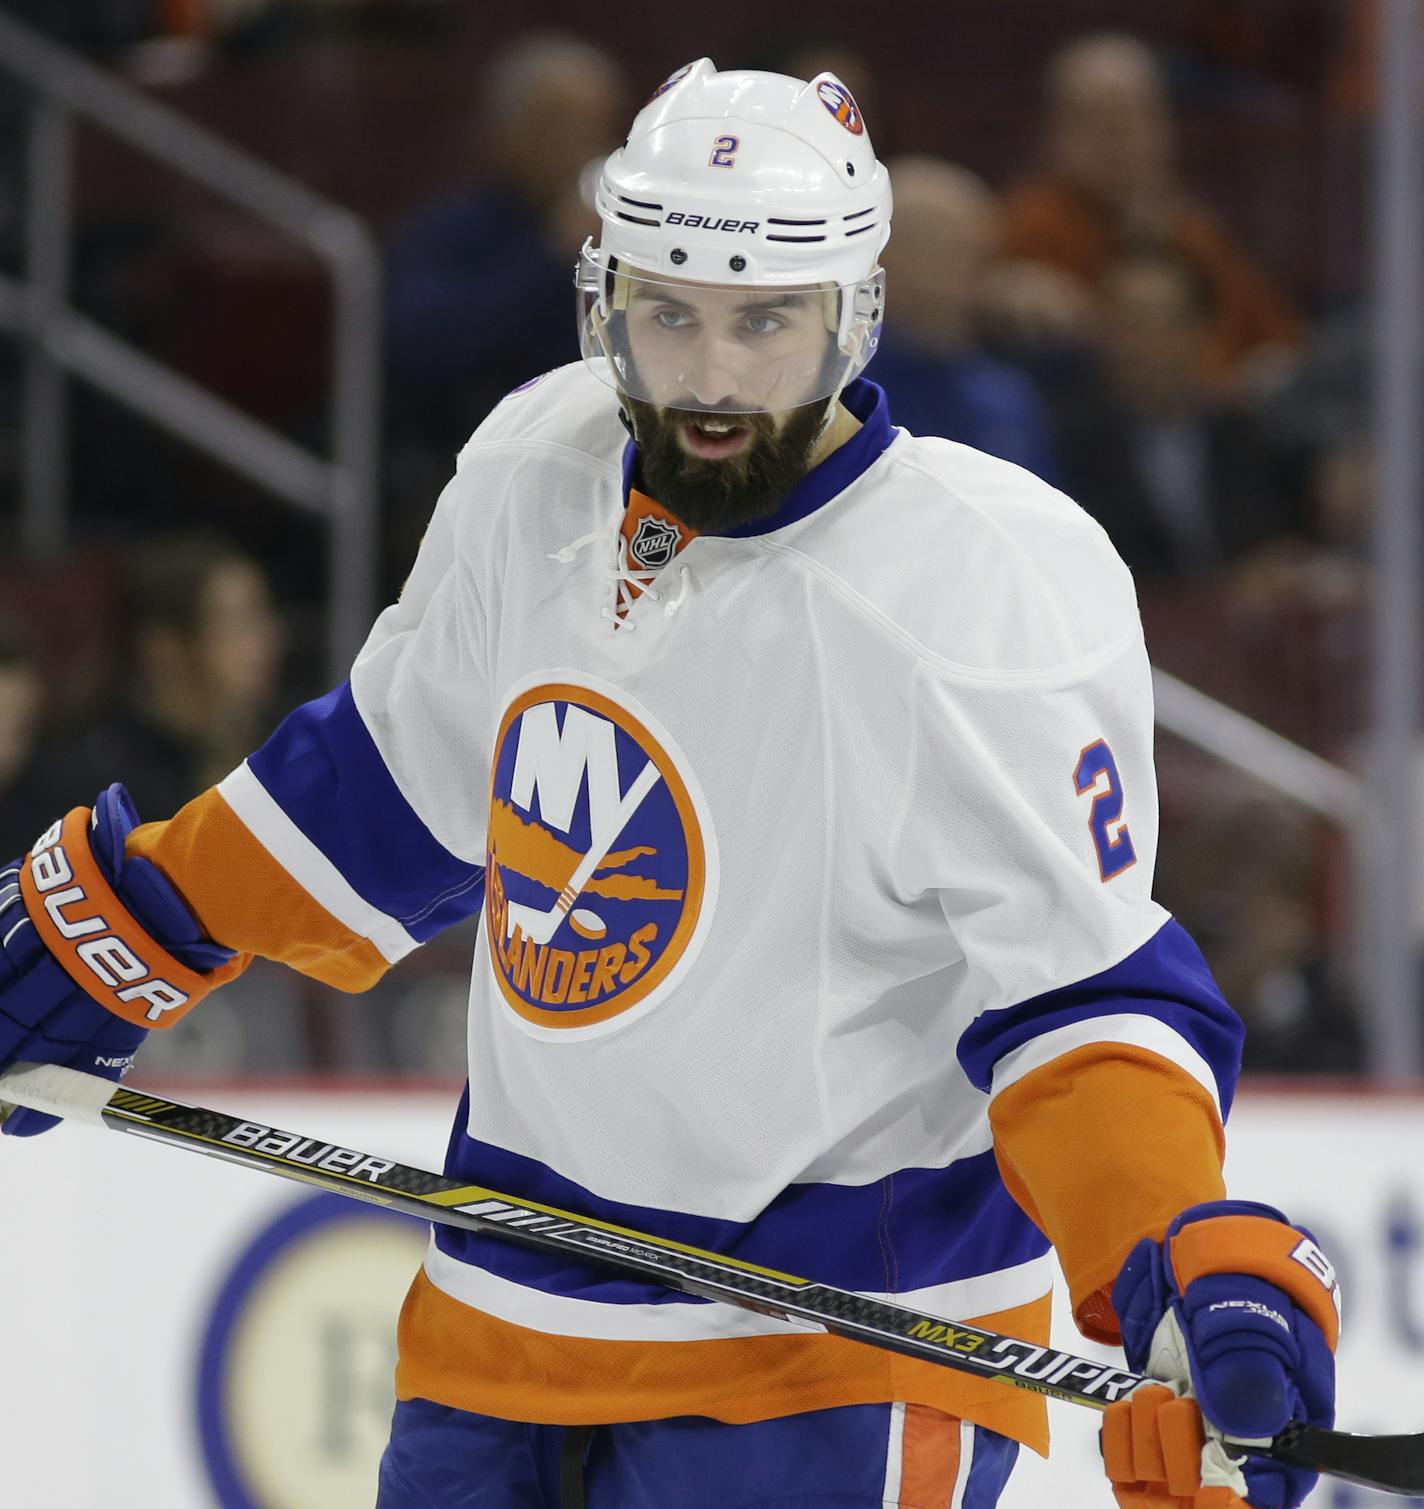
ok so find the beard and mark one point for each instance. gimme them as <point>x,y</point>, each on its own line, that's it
<point>715,496</point>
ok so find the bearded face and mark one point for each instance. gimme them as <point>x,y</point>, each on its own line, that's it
<point>718,470</point>
<point>727,409</point>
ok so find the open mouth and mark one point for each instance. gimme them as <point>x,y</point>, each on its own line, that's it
<point>713,438</point>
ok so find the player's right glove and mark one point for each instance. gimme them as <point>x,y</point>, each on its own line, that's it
<point>95,950</point>
<point>1240,1310</point>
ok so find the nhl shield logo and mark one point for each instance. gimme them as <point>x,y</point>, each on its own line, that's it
<point>654,542</point>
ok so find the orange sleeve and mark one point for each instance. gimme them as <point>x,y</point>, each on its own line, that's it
<point>1101,1147</point>
<point>245,900</point>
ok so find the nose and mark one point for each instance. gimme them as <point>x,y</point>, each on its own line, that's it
<point>715,370</point>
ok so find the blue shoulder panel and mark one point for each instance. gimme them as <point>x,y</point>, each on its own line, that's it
<point>323,769</point>
<point>1166,978</point>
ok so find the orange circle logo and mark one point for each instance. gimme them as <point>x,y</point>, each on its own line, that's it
<point>598,882</point>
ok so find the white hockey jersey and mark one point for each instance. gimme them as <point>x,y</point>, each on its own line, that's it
<point>799,845</point>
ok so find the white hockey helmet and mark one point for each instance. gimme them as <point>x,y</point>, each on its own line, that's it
<point>737,191</point>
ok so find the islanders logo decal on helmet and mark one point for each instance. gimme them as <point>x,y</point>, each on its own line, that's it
<point>676,77</point>
<point>841,103</point>
<point>601,865</point>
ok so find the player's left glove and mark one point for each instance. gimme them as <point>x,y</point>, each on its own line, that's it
<point>1241,1311</point>
<point>72,990</point>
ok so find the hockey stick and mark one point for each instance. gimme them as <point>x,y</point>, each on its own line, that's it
<point>538,926</point>
<point>1394,1464</point>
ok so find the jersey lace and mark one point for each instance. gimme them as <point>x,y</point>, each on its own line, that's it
<point>627,581</point>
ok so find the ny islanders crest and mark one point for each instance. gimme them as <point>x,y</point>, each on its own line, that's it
<point>601,867</point>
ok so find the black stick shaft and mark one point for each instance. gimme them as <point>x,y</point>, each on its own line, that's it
<point>1394,1464</point>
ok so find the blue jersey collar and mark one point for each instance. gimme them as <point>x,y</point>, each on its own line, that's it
<point>836,473</point>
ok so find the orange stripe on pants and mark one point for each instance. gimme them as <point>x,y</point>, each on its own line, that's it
<point>929,1458</point>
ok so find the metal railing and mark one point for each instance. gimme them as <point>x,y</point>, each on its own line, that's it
<point>1239,741</point>
<point>61,343</point>
<point>1311,782</point>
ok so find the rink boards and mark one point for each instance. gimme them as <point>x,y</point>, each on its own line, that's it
<point>236,1337</point>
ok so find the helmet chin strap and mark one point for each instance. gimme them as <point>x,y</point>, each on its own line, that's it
<point>828,418</point>
<point>833,402</point>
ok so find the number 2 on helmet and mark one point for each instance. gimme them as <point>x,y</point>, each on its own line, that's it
<point>724,152</point>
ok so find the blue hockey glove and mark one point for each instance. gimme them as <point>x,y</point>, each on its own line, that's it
<point>95,950</point>
<point>1241,1310</point>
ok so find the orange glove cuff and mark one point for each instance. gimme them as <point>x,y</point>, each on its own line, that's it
<point>97,941</point>
<point>1265,1249</point>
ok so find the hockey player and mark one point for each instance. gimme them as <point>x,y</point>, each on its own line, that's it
<point>803,768</point>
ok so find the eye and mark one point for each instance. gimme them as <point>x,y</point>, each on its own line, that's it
<point>764,324</point>
<point>671,319</point>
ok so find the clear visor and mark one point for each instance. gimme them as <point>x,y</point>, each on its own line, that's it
<point>712,348</point>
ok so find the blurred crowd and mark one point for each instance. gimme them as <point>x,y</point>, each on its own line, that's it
<point>1088,310</point>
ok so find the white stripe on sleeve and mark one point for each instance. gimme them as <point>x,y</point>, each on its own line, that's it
<point>1135,1031</point>
<point>308,866</point>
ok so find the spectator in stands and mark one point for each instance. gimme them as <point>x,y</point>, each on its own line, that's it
<point>1244,876</point>
<point>203,644</point>
<point>1253,54</point>
<point>938,378</point>
<point>1110,183</point>
<point>479,284</point>
<point>1321,422</point>
<point>1181,480</point>
<point>1351,90</point>
<point>27,788</point>
<point>1320,427</point>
